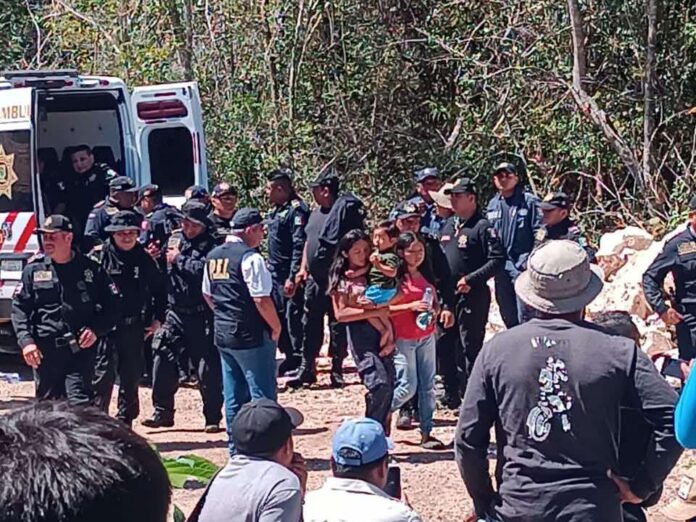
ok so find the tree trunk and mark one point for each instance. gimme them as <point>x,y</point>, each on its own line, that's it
<point>649,89</point>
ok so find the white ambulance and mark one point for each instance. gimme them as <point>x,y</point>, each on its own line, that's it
<point>153,134</point>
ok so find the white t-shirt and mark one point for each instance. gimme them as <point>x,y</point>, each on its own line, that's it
<point>254,271</point>
<point>349,500</point>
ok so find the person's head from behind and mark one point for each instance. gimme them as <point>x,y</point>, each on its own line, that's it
<point>618,322</point>
<point>352,253</point>
<point>384,236</point>
<point>360,451</point>
<point>82,159</point>
<point>248,224</point>
<point>263,429</point>
<point>75,464</point>
<point>559,280</point>
<point>411,249</point>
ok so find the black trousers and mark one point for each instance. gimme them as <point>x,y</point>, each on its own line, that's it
<point>471,314</point>
<point>686,332</point>
<point>506,297</point>
<point>63,374</point>
<point>447,347</point>
<point>317,306</point>
<point>376,373</point>
<point>193,331</point>
<point>290,312</point>
<point>122,355</point>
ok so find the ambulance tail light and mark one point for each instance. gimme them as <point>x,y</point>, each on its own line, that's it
<point>161,110</point>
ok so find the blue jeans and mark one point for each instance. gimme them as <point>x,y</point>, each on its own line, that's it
<point>247,375</point>
<point>415,370</point>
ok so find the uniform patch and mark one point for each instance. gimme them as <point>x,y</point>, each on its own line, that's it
<point>299,221</point>
<point>445,239</point>
<point>136,272</point>
<point>687,248</point>
<point>113,288</point>
<point>173,242</point>
<point>493,233</point>
<point>523,212</point>
<point>295,203</point>
<point>462,241</point>
<point>494,214</point>
<point>89,276</point>
<point>43,276</point>
<point>540,234</point>
<point>111,210</point>
<point>217,269</point>
<point>685,487</point>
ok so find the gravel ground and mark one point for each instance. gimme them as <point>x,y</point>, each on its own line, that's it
<point>430,479</point>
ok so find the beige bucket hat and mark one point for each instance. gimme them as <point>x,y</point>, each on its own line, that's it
<point>559,279</point>
<point>440,198</point>
<point>684,506</point>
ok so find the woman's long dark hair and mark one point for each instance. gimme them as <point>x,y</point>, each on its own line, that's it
<point>406,240</point>
<point>340,262</point>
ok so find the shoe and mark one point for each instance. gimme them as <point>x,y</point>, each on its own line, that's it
<point>302,378</point>
<point>403,421</point>
<point>289,366</point>
<point>431,443</point>
<point>158,421</point>
<point>337,381</point>
<point>212,428</point>
<point>451,401</point>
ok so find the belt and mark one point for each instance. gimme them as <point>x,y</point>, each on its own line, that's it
<point>190,310</point>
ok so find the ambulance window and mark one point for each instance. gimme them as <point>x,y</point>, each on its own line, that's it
<point>15,172</point>
<point>171,159</point>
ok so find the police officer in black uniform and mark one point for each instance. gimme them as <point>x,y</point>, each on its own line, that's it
<point>336,214</point>
<point>188,323</point>
<point>224,203</point>
<point>123,195</point>
<point>67,304</point>
<point>160,221</point>
<point>286,241</point>
<point>475,254</point>
<point>556,223</point>
<point>88,185</point>
<point>678,257</point>
<point>140,282</point>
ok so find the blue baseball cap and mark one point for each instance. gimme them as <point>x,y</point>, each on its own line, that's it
<point>359,442</point>
<point>196,192</point>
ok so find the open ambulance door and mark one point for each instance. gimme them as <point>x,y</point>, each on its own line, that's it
<point>21,202</point>
<point>169,137</point>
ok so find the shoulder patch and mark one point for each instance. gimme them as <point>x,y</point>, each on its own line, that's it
<point>99,204</point>
<point>295,203</point>
<point>39,256</point>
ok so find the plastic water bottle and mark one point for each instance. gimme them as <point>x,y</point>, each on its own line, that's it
<point>425,318</point>
<point>12,378</point>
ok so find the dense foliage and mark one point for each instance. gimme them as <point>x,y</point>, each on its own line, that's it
<point>378,87</point>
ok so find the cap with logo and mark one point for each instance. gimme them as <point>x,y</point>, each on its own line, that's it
<point>506,166</point>
<point>405,210</point>
<point>122,184</point>
<point>196,212</point>
<point>462,186</point>
<point>684,506</point>
<point>428,172</point>
<point>328,178</point>
<point>150,190</point>
<point>359,442</point>
<point>557,200</point>
<point>223,189</point>
<point>280,174</point>
<point>196,192</point>
<point>124,220</point>
<point>261,427</point>
<point>247,217</point>
<point>55,223</point>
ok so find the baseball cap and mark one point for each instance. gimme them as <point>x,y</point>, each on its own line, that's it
<point>425,173</point>
<point>327,178</point>
<point>506,166</point>
<point>462,186</point>
<point>124,220</point>
<point>246,217</point>
<point>359,442</point>
<point>281,173</point>
<point>684,506</point>
<point>196,211</point>
<point>692,204</point>
<point>150,190</point>
<point>558,200</point>
<point>196,192</point>
<point>262,426</point>
<point>55,223</point>
<point>122,184</point>
<point>222,189</point>
<point>404,210</point>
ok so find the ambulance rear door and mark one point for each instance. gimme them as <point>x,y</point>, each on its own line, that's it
<point>169,136</point>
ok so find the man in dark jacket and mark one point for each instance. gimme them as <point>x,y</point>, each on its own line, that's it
<point>554,387</point>
<point>556,223</point>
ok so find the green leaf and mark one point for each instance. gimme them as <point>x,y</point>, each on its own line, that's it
<point>189,471</point>
<point>178,515</point>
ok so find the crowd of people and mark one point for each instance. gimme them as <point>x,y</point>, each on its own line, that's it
<point>216,290</point>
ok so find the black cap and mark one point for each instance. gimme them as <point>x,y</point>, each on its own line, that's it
<point>246,217</point>
<point>196,211</point>
<point>281,173</point>
<point>261,427</point>
<point>328,178</point>
<point>558,200</point>
<point>150,190</point>
<point>122,184</point>
<point>428,172</point>
<point>463,186</point>
<point>124,220</point>
<point>196,192</point>
<point>506,166</point>
<point>55,223</point>
<point>222,189</point>
<point>405,209</point>
<point>692,204</point>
